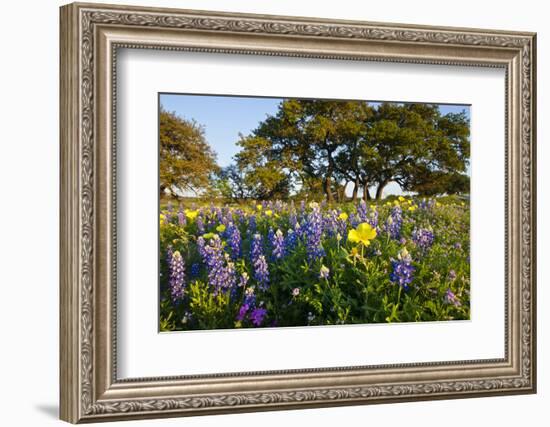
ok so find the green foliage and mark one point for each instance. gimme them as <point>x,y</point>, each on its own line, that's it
<point>332,143</point>
<point>358,288</point>
<point>186,159</point>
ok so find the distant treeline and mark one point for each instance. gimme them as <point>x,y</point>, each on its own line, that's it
<point>319,147</point>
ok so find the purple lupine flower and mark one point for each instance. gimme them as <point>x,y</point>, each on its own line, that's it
<point>234,239</point>
<point>256,247</point>
<point>181,218</point>
<point>290,240</point>
<point>451,298</point>
<point>278,245</point>
<point>423,238</point>
<point>251,224</point>
<point>195,269</point>
<point>257,316</point>
<point>201,243</point>
<point>243,280</point>
<point>292,219</point>
<point>330,223</point>
<point>200,223</point>
<point>221,271</point>
<point>457,245</point>
<point>177,277</point>
<point>250,297</point>
<point>242,312</point>
<point>353,220</point>
<point>314,234</point>
<point>373,218</point>
<point>426,204</point>
<point>402,273</point>
<point>261,272</point>
<point>394,222</point>
<point>452,275</point>
<point>259,263</point>
<point>362,211</point>
<point>270,237</point>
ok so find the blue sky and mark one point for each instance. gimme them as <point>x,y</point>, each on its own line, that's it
<point>224,117</point>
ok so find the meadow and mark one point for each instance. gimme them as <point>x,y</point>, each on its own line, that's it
<point>277,264</point>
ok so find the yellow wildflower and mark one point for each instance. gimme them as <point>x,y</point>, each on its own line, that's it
<point>401,198</point>
<point>191,214</point>
<point>343,216</point>
<point>269,212</point>
<point>220,228</point>
<point>363,234</point>
<point>259,207</point>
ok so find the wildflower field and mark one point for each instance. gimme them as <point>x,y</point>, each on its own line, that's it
<point>276,264</point>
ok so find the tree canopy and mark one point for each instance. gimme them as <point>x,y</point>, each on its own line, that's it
<point>186,161</point>
<point>323,145</point>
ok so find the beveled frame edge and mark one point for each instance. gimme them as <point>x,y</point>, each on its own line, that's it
<point>89,390</point>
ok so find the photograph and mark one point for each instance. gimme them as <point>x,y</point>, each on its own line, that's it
<point>291,208</point>
<point>278,212</point>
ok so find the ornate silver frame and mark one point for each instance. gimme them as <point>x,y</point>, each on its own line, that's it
<point>90,36</point>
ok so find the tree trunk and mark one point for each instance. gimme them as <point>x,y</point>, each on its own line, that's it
<point>366,192</point>
<point>355,189</point>
<point>380,189</point>
<point>339,193</point>
<point>328,189</point>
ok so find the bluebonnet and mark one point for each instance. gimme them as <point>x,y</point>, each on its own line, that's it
<point>221,271</point>
<point>353,220</point>
<point>451,298</point>
<point>195,269</point>
<point>292,219</point>
<point>373,218</point>
<point>251,224</point>
<point>291,240</point>
<point>259,263</point>
<point>200,247</point>
<point>234,240</point>
<point>256,247</point>
<point>257,316</point>
<point>177,276</point>
<point>330,223</point>
<point>200,223</point>
<point>314,234</point>
<point>181,218</point>
<point>394,222</point>
<point>362,211</point>
<point>402,273</point>
<point>261,272</point>
<point>423,238</point>
<point>248,304</point>
<point>426,204</point>
<point>270,237</point>
<point>278,245</point>
<point>243,280</point>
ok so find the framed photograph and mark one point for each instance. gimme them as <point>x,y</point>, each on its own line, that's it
<point>267,212</point>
